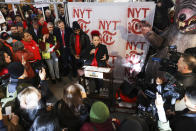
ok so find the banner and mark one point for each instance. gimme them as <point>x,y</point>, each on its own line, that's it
<point>15,1</point>
<point>137,46</point>
<point>41,5</point>
<point>2,19</point>
<point>112,20</point>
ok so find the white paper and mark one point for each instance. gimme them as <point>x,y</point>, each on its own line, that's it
<point>8,110</point>
<point>2,19</point>
<point>97,69</point>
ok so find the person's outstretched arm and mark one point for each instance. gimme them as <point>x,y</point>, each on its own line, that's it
<point>163,123</point>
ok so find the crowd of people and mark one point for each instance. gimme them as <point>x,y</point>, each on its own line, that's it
<point>37,49</point>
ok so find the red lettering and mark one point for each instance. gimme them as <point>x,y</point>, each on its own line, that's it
<point>115,23</point>
<point>133,11</point>
<point>142,45</point>
<point>89,11</point>
<point>76,13</point>
<point>134,27</point>
<point>145,11</point>
<point>128,45</point>
<point>102,25</point>
<point>108,24</point>
<point>80,13</point>
<point>138,12</point>
<point>134,44</point>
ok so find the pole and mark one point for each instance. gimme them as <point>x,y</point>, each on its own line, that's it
<point>43,13</point>
<point>21,13</point>
<point>66,14</point>
<point>56,12</point>
<point>13,7</point>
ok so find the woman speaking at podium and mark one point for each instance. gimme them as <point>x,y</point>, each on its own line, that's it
<point>98,55</point>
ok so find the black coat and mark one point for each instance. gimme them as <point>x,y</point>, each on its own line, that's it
<point>39,33</point>
<point>27,116</point>
<point>161,19</point>
<point>67,117</point>
<point>184,121</point>
<point>84,44</point>
<point>102,50</point>
<point>67,33</point>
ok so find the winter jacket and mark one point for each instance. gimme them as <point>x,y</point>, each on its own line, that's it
<point>84,44</point>
<point>102,50</point>
<point>33,47</point>
<point>27,56</point>
<point>106,126</point>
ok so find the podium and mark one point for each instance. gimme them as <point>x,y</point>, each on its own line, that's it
<point>100,73</point>
<point>97,72</point>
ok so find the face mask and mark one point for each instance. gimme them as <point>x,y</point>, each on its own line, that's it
<point>9,40</point>
<point>4,28</point>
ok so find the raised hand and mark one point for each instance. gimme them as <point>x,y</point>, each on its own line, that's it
<point>42,74</point>
<point>104,57</point>
<point>159,102</point>
<point>92,51</point>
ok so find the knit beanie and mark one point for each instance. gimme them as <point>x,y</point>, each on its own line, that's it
<point>75,25</point>
<point>99,112</point>
<point>18,46</point>
<point>15,69</point>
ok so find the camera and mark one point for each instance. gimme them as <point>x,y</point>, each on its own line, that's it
<point>169,64</point>
<point>170,92</point>
<point>4,80</point>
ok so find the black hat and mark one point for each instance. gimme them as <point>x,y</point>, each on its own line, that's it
<point>5,35</point>
<point>75,25</point>
<point>15,69</point>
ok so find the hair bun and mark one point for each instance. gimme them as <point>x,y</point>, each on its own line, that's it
<point>95,32</point>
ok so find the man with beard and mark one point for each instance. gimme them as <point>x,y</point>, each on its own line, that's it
<point>14,32</point>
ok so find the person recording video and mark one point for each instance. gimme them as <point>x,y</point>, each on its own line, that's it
<point>186,64</point>
<point>184,120</point>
